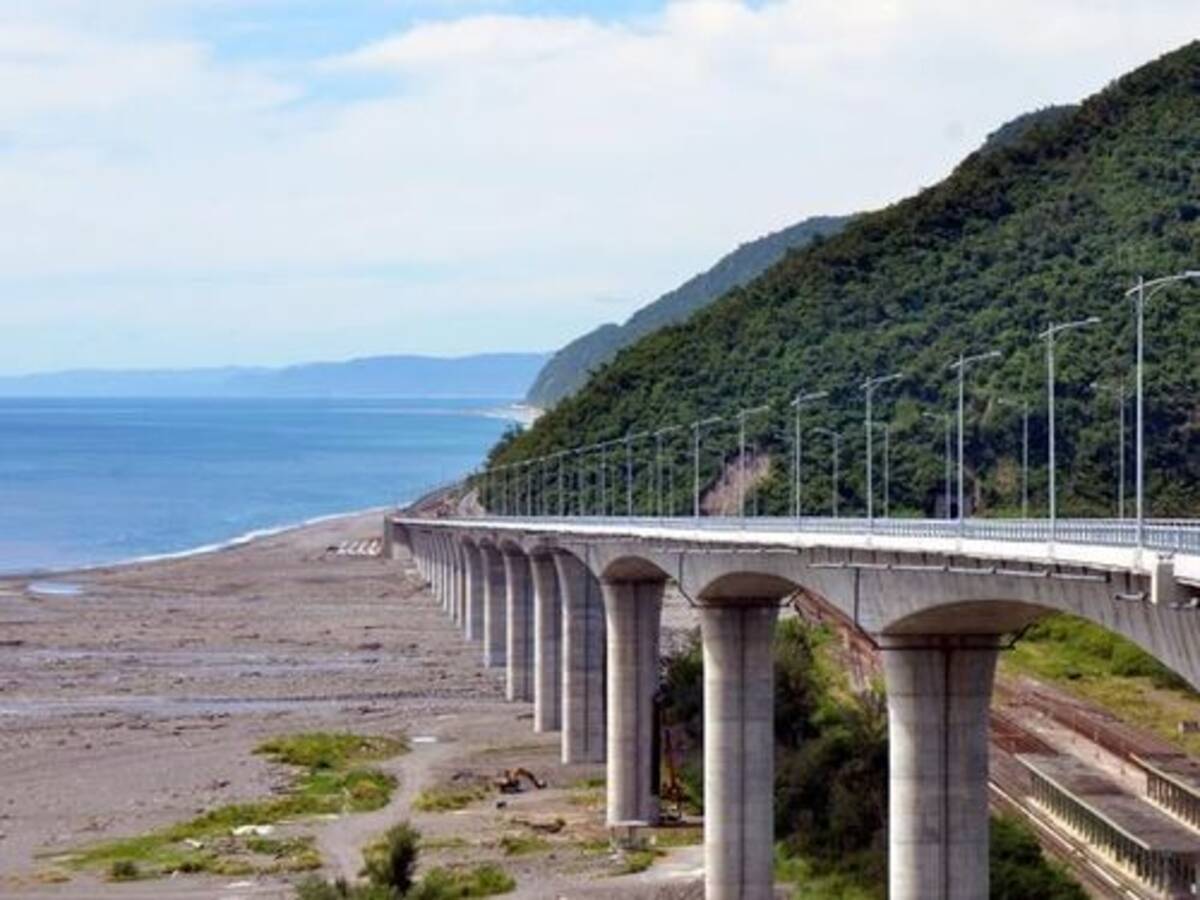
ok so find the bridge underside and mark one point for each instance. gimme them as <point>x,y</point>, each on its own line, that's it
<point>939,619</point>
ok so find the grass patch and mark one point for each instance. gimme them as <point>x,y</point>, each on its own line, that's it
<point>331,750</point>
<point>448,799</point>
<point>680,836</point>
<point>590,784</point>
<point>811,881</point>
<point>587,799</point>
<point>334,781</point>
<point>523,844</point>
<point>634,861</point>
<point>1102,667</point>
<point>451,882</point>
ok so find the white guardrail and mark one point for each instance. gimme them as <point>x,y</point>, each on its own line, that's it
<point>1163,535</point>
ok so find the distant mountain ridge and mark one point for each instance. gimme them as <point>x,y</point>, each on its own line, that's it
<point>493,375</point>
<point>569,369</point>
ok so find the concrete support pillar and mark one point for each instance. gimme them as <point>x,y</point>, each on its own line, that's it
<point>583,652</point>
<point>519,618</point>
<point>456,582</point>
<point>473,601</point>
<point>939,689</point>
<point>435,566</point>
<point>632,610</point>
<point>547,645</point>
<point>495,592</point>
<point>739,749</point>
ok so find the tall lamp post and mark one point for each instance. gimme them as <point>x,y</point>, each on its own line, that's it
<point>658,466</point>
<point>742,416</point>
<point>1121,395</point>
<point>696,426</point>
<point>887,467</point>
<point>1142,292</point>
<point>869,387</point>
<point>944,418</point>
<point>836,439</point>
<point>961,365</point>
<point>798,448</point>
<point>1049,336</point>
<point>1024,407</point>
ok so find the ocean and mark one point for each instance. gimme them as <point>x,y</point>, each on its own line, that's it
<point>85,482</point>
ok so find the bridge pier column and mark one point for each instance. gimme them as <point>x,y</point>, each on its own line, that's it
<point>495,592</point>
<point>547,645</point>
<point>473,589</point>
<point>632,612</point>
<point>939,689</point>
<point>437,574</point>
<point>460,583</point>
<point>519,617</point>
<point>421,556</point>
<point>739,749</point>
<point>583,662</point>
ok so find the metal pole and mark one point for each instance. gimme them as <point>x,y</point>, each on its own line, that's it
<point>961,365</point>
<point>629,475</point>
<point>696,470</point>
<point>742,464</point>
<point>1121,457</point>
<point>1050,419</point>
<point>1048,335</point>
<point>962,369</point>
<point>1024,459</point>
<point>869,387</point>
<point>798,451</point>
<point>658,486</point>
<point>1140,462</point>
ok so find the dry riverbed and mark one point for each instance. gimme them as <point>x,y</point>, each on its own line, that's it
<point>137,703</point>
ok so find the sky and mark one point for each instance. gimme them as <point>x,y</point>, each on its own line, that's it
<point>216,182</point>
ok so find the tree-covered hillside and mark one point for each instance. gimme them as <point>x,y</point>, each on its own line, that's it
<point>1052,226</point>
<point>568,369</point>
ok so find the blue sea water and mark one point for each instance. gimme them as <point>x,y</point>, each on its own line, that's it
<point>96,481</point>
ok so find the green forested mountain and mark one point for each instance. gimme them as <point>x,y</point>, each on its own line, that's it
<point>1051,226</point>
<point>568,369</point>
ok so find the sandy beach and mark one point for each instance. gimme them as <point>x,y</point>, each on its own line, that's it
<point>137,702</point>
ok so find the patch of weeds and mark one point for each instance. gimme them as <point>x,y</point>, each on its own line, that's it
<point>448,799</point>
<point>335,781</point>
<point>444,843</point>
<point>679,836</point>
<point>634,861</point>
<point>317,889</point>
<point>590,784</point>
<point>331,750</point>
<point>450,883</point>
<point>588,799</point>
<point>124,870</point>
<point>523,844</point>
<point>50,876</point>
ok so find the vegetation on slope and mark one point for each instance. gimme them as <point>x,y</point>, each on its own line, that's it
<point>568,370</point>
<point>1053,226</point>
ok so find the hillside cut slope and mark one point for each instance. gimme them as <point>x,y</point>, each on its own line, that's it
<point>1051,226</point>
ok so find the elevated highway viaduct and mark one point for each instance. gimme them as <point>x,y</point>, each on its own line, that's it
<point>571,607</point>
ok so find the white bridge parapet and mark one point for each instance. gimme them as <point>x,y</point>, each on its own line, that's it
<point>938,597</point>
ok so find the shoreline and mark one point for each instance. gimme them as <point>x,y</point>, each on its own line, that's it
<point>244,539</point>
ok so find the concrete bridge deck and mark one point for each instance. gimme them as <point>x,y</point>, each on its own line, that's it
<point>570,607</point>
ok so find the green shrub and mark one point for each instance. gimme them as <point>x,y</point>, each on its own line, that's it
<point>124,870</point>
<point>391,863</point>
<point>1019,871</point>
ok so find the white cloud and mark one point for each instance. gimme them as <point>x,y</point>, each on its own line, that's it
<point>488,165</point>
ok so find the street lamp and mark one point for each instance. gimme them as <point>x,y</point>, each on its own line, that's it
<point>887,466</point>
<point>629,439</point>
<point>1141,292</point>
<point>658,479</point>
<point>696,426</point>
<point>945,419</point>
<point>742,415</point>
<point>961,365</point>
<point>1048,336</point>
<point>798,446</point>
<point>1119,392</point>
<point>1024,407</point>
<point>837,449</point>
<point>869,387</point>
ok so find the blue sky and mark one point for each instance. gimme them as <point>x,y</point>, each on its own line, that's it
<point>210,182</point>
